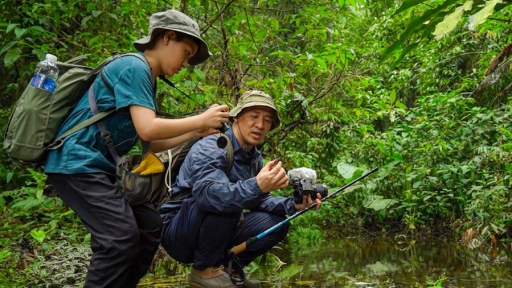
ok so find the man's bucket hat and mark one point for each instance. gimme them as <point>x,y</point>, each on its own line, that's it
<point>179,22</point>
<point>255,98</point>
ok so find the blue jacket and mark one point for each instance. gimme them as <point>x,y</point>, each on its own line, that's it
<point>203,173</point>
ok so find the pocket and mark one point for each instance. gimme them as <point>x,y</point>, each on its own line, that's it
<point>136,188</point>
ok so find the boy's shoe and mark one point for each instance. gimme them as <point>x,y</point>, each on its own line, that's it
<point>210,278</point>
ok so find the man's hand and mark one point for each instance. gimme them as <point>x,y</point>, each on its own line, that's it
<point>306,201</point>
<point>272,177</point>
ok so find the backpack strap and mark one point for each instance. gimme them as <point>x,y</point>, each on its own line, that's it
<point>230,152</point>
<point>101,126</point>
<point>97,116</point>
<point>58,142</point>
<point>94,107</point>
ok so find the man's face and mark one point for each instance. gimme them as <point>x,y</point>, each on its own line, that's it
<point>254,123</point>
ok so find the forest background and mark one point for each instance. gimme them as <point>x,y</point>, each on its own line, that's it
<point>417,88</point>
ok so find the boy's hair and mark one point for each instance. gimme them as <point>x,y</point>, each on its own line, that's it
<point>179,36</point>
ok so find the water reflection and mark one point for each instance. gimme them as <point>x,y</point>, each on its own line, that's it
<point>398,263</point>
<point>379,262</point>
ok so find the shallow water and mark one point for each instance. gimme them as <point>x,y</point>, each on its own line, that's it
<point>379,262</point>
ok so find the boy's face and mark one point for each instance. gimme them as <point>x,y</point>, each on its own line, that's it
<point>177,53</point>
<point>254,123</point>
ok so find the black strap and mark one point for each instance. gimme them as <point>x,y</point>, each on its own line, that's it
<point>92,102</point>
<point>234,265</point>
<point>101,125</point>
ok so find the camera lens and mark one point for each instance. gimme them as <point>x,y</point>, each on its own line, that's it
<point>322,189</point>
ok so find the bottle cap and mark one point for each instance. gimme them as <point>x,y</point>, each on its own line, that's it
<point>51,57</point>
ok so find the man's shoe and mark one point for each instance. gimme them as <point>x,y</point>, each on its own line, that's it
<point>210,278</point>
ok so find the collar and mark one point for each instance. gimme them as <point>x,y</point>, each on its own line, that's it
<point>237,147</point>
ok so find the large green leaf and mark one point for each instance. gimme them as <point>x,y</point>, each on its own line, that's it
<point>450,21</point>
<point>415,25</point>
<point>408,4</point>
<point>377,202</point>
<point>11,56</point>
<point>7,47</point>
<point>405,51</point>
<point>482,15</point>
<point>347,171</point>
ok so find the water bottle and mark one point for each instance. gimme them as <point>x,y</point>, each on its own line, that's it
<point>46,74</point>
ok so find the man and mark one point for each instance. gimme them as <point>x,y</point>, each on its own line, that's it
<point>210,218</point>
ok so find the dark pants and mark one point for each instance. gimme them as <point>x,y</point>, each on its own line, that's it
<point>124,238</point>
<point>201,238</point>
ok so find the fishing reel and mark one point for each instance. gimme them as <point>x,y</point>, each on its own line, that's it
<point>303,183</point>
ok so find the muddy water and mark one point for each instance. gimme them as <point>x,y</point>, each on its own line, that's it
<point>378,262</point>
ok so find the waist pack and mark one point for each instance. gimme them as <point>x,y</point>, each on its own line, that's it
<point>38,114</point>
<point>153,182</point>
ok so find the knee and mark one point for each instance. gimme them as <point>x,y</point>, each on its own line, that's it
<point>129,242</point>
<point>122,244</point>
<point>280,233</point>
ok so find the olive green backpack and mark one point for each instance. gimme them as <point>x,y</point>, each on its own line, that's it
<point>38,114</point>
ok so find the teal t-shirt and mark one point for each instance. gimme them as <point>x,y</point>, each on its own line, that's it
<point>85,151</point>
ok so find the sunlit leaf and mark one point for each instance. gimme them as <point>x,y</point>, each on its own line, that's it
<point>414,25</point>
<point>346,170</point>
<point>449,23</point>
<point>482,15</point>
<point>392,96</point>
<point>378,203</point>
<point>38,235</point>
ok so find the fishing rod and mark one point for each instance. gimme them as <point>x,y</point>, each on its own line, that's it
<point>241,247</point>
<point>234,264</point>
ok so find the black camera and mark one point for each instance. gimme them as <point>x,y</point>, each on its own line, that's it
<point>305,186</point>
<point>223,128</point>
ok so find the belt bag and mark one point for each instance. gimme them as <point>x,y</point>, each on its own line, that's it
<point>140,188</point>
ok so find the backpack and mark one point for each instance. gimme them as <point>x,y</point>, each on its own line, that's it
<point>38,114</point>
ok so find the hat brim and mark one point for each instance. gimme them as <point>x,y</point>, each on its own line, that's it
<point>201,55</point>
<point>235,111</point>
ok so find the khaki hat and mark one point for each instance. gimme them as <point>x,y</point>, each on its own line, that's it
<point>255,98</point>
<point>179,22</point>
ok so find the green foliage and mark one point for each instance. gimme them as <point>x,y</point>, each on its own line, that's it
<point>437,283</point>
<point>442,141</point>
<point>440,18</point>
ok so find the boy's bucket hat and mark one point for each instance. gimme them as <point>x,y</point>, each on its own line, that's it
<point>255,98</point>
<point>179,22</point>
